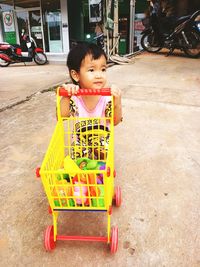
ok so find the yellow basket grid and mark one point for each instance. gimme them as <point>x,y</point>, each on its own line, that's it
<point>78,167</point>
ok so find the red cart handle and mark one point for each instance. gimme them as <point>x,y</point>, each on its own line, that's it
<point>81,91</point>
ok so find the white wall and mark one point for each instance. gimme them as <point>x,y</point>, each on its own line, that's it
<point>65,28</point>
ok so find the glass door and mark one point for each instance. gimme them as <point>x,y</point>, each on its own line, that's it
<point>36,27</point>
<point>54,31</point>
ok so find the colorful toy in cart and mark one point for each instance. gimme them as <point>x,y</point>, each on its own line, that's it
<point>61,191</point>
<point>75,189</point>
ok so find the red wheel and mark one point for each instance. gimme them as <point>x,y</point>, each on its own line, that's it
<point>108,171</point>
<point>37,172</point>
<point>49,242</point>
<point>114,240</point>
<point>118,196</point>
<point>49,210</point>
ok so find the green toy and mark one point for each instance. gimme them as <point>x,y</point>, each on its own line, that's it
<point>89,164</point>
<point>61,176</point>
<point>99,202</point>
<point>56,203</point>
<point>63,203</point>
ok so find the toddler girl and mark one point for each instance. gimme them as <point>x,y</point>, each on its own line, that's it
<point>87,65</point>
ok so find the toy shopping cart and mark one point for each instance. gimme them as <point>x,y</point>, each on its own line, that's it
<point>78,171</point>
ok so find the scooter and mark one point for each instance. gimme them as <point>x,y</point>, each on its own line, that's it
<point>184,35</point>
<point>11,54</point>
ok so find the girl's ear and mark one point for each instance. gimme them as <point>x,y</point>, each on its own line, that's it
<point>75,76</point>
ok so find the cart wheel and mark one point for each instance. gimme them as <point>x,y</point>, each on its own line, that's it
<point>114,240</point>
<point>37,172</point>
<point>50,210</point>
<point>118,196</point>
<point>49,243</point>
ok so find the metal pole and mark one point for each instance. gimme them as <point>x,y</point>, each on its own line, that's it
<point>132,26</point>
<point>116,27</point>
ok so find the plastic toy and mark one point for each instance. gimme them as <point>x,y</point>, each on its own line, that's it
<point>94,190</point>
<point>69,164</point>
<point>62,189</point>
<point>88,164</point>
<point>99,202</point>
<point>87,179</point>
<point>80,178</point>
<point>82,163</point>
<point>80,191</point>
<point>63,203</point>
<point>62,175</point>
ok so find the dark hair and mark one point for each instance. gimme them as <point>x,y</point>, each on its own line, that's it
<point>79,52</point>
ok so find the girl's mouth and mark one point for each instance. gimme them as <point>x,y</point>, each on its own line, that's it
<point>98,83</point>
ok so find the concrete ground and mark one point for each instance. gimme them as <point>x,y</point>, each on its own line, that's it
<point>157,152</point>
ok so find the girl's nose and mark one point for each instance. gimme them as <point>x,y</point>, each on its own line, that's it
<point>98,74</point>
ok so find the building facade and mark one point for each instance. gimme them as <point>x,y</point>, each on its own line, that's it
<point>45,21</point>
<point>55,24</point>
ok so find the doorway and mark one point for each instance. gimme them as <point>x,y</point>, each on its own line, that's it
<point>30,21</point>
<point>54,26</point>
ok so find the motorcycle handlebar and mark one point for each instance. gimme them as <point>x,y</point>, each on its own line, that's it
<point>195,15</point>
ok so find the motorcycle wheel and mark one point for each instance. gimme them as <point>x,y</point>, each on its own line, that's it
<point>4,63</point>
<point>194,39</point>
<point>40,58</point>
<point>147,43</point>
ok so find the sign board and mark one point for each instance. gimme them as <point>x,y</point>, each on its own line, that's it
<point>8,21</point>
<point>36,29</point>
<point>95,11</point>
<point>9,27</point>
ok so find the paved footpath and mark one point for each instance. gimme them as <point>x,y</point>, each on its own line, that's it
<point>19,82</point>
<point>157,152</point>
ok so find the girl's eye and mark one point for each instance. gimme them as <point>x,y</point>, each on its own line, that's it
<point>104,69</point>
<point>91,70</point>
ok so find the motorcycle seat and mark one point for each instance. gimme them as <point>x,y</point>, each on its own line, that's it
<point>16,46</point>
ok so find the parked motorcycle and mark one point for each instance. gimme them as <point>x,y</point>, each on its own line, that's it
<point>184,35</point>
<point>11,54</point>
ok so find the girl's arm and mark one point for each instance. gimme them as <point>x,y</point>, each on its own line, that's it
<point>64,106</point>
<point>117,104</point>
<point>72,89</point>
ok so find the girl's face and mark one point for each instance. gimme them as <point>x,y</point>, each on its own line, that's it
<point>92,73</point>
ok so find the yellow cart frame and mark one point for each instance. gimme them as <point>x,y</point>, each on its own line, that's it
<point>62,177</point>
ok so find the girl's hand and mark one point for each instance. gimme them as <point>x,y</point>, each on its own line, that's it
<point>116,93</point>
<point>117,104</point>
<point>71,88</point>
